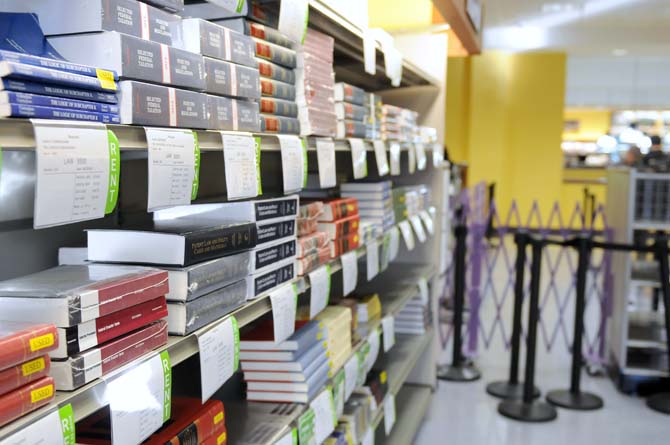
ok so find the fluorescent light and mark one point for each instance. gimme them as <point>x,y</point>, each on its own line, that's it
<point>619,52</point>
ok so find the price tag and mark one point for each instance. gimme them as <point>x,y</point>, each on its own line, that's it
<point>388,332</point>
<point>140,400</point>
<point>319,281</point>
<point>359,158</point>
<point>56,428</point>
<point>241,165</point>
<point>73,171</point>
<point>389,413</point>
<point>369,52</point>
<point>371,357</point>
<point>407,235</point>
<point>293,17</point>
<point>293,162</point>
<point>438,155</point>
<point>385,258</point>
<point>380,156</point>
<point>350,376</point>
<point>394,155</point>
<point>411,159</point>
<point>368,437</point>
<point>372,257</point>
<point>418,228</point>
<point>394,243</point>
<point>393,65</point>
<point>427,221</point>
<point>172,167</point>
<point>290,438</point>
<point>420,156</point>
<point>349,272</point>
<point>325,157</point>
<point>219,356</point>
<point>284,301</point>
<point>325,419</point>
<point>339,393</point>
<point>423,289</point>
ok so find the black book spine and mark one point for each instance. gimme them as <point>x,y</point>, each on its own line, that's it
<point>276,209</point>
<point>275,231</point>
<point>273,279</point>
<point>270,255</point>
<point>207,245</point>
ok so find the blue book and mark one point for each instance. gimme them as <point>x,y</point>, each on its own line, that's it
<point>60,65</point>
<point>58,91</point>
<point>15,70</point>
<point>286,395</point>
<point>315,380</point>
<point>301,340</point>
<point>283,360</point>
<point>17,110</point>
<point>14,97</point>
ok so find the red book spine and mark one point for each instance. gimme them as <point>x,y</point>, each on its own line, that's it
<point>191,426</point>
<point>342,245</point>
<point>130,347</point>
<point>218,439</point>
<point>134,317</point>
<point>26,399</point>
<point>19,375</point>
<point>256,31</point>
<point>341,227</point>
<point>267,106</point>
<point>31,342</point>
<point>117,295</point>
<point>343,208</point>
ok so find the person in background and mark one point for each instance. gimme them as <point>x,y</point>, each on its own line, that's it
<point>656,158</point>
<point>633,157</point>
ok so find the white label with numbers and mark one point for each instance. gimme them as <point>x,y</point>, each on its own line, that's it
<point>324,415</point>
<point>319,282</point>
<point>349,272</point>
<point>292,162</point>
<point>389,413</point>
<point>388,332</point>
<point>359,158</point>
<point>418,228</point>
<point>381,157</point>
<point>372,257</point>
<point>219,355</point>
<point>240,164</point>
<point>407,234</point>
<point>411,159</point>
<point>350,376</point>
<point>293,19</point>
<point>427,221</point>
<point>325,157</point>
<point>394,243</point>
<point>420,156</point>
<point>394,156</point>
<point>283,302</point>
<point>423,289</point>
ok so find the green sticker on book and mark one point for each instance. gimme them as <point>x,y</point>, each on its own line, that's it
<point>304,163</point>
<point>196,176</point>
<point>114,171</point>
<point>304,32</point>
<point>240,5</point>
<point>66,415</point>
<point>236,339</point>
<point>257,141</point>
<point>294,435</point>
<point>167,385</point>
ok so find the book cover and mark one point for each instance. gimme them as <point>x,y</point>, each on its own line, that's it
<point>177,242</point>
<point>277,89</point>
<point>266,33</point>
<point>276,72</point>
<point>31,111</point>
<point>341,227</point>
<point>349,111</point>
<point>23,373</point>
<point>338,208</point>
<point>350,129</point>
<point>261,338</point>
<point>349,93</point>
<point>273,231</point>
<point>19,98</point>
<point>344,244</point>
<point>61,65</point>
<point>306,363</point>
<point>57,91</point>
<point>225,113</point>
<point>266,256</point>
<point>303,387</point>
<point>279,107</point>
<point>311,243</point>
<point>25,399</point>
<point>69,295</point>
<point>257,210</point>
<point>87,366</point>
<point>275,53</point>
<point>229,79</point>
<point>20,341</point>
<point>313,260</point>
<point>218,439</point>
<point>38,74</point>
<point>191,422</point>
<point>280,273</point>
<point>279,124</point>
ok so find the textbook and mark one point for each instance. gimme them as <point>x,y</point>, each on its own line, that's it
<point>30,111</point>
<point>226,113</point>
<point>257,30</point>
<point>277,89</point>
<point>262,338</point>
<point>214,11</point>
<point>38,74</point>
<point>25,399</point>
<point>18,98</point>
<point>26,372</point>
<point>264,257</point>
<point>314,356</point>
<point>349,93</point>
<point>277,274</point>
<point>276,72</point>
<point>20,342</point>
<point>350,129</point>
<point>56,64</point>
<point>229,79</point>
<point>345,110</point>
<point>275,53</point>
<point>279,107</point>
<point>256,210</point>
<point>279,124</point>
<point>317,377</point>
<point>56,91</point>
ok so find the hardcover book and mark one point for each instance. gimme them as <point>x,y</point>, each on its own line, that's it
<point>191,422</point>
<point>257,30</point>
<point>168,5</point>
<point>225,113</point>
<point>275,53</point>
<point>295,397</point>
<point>338,208</point>
<point>313,260</point>
<point>280,273</point>
<point>277,89</point>
<point>320,375</point>
<point>279,124</point>
<point>312,243</point>
<point>265,257</point>
<point>349,93</point>
<point>276,72</point>
<point>350,129</point>
<point>262,337</point>
<point>341,227</point>
<point>348,111</point>
<point>23,373</point>
<point>18,98</point>
<point>228,79</point>
<point>30,111</point>
<point>279,107</point>
<point>32,73</point>
<point>25,399</point>
<point>214,11</point>
<point>69,295</point>
<point>56,90</point>
<point>306,363</point>
<point>257,210</point>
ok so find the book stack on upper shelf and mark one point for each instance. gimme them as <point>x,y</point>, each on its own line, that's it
<point>316,85</point>
<point>375,203</point>
<point>291,371</point>
<point>99,311</point>
<point>350,111</point>
<point>340,220</point>
<point>313,248</point>
<point>337,328</point>
<point>398,124</point>
<point>414,318</point>
<point>24,367</point>
<point>373,116</point>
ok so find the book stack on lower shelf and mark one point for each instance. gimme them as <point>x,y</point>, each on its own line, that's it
<point>313,248</point>
<point>340,220</point>
<point>291,371</point>
<point>337,328</point>
<point>358,414</point>
<point>375,203</point>
<point>368,310</point>
<point>414,318</point>
<point>99,311</point>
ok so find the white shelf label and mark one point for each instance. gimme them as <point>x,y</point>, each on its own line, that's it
<point>394,243</point>
<point>371,357</point>
<point>388,332</point>
<point>411,159</point>
<point>389,413</point>
<point>394,156</point>
<point>438,155</point>
<point>420,156</point>
<point>427,221</point>
<point>372,259</point>
<point>140,400</point>
<point>325,157</point>
<point>284,301</point>
<point>219,356</point>
<point>293,18</point>
<point>393,65</point>
<point>359,158</point>
<point>319,281</point>
<point>368,437</point>
<point>72,172</point>
<point>418,228</point>
<point>369,52</point>
<point>338,393</point>
<point>423,289</point>
<point>172,167</point>
<point>325,419</point>
<point>240,160</point>
<point>350,375</point>
<point>407,234</point>
<point>380,156</point>
<point>293,162</point>
<point>56,428</point>
<point>349,272</point>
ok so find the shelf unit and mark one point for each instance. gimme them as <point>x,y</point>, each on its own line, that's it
<point>412,403</point>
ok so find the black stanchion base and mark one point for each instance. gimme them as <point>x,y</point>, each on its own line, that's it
<point>660,402</point>
<point>583,401</point>
<point>462,373</point>
<point>535,411</point>
<point>507,390</point>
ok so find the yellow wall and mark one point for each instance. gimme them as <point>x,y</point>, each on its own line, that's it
<point>593,123</point>
<point>394,14</point>
<point>458,106</point>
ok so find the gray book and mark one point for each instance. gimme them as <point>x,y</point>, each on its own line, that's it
<point>213,9</point>
<point>168,5</point>
<point>225,113</point>
<point>228,79</point>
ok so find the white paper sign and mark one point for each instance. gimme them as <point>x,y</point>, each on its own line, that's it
<point>325,157</point>
<point>219,356</point>
<point>241,165</point>
<point>350,376</point>
<point>427,221</point>
<point>372,257</point>
<point>293,19</point>
<point>423,289</point>
<point>293,160</point>
<point>283,301</point>
<point>388,332</point>
<point>140,400</point>
<point>319,281</point>
<point>324,415</point>
<point>359,158</point>
<point>394,155</point>
<point>393,65</point>
<point>389,413</point>
<point>438,155</point>
<point>371,358</point>
<point>72,172</point>
<point>380,156</point>
<point>394,243</point>
<point>290,438</point>
<point>56,428</point>
<point>171,162</point>
<point>420,156</point>
<point>407,234</point>
<point>369,52</point>
<point>349,272</point>
<point>411,159</point>
<point>418,228</point>
<point>368,437</point>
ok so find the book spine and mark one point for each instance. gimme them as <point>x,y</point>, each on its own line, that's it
<point>147,104</point>
<point>275,53</point>
<point>217,274</point>
<point>208,424</point>
<point>55,102</point>
<point>54,90</point>
<point>18,110</point>
<point>275,231</point>
<point>351,94</point>
<point>340,228</point>
<point>273,254</point>
<point>168,5</point>
<point>266,33</point>
<point>122,294</point>
<point>313,260</point>
<point>207,245</point>
<point>353,112</point>
<point>276,208</point>
<point>277,89</point>
<point>26,399</point>
<point>311,243</point>
<point>344,244</point>
<point>276,72</point>
<point>350,129</point>
<point>279,107</point>
<point>19,348</point>
<point>47,75</point>
<point>343,208</point>
<point>274,278</point>
<point>279,124</point>
<point>261,14</point>
<point>137,19</point>
<point>220,438</point>
<point>19,375</point>
<point>132,346</point>
<point>61,65</point>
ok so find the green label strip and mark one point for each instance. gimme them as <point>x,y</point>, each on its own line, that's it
<point>304,32</point>
<point>114,171</point>
<point>304,163</point>
<point>236,337</point>
<point>294,434</point>
<point>328,285</point>
<point>257,141</point>
<point>167,385</point>
<point>196,176</point>
<point>67,424</point>
<point>240,5</point>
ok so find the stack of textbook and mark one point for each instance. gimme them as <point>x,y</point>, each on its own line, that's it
<point>340,220</point>
<point>375,202</point>
<point>291,371</point>
<point>337,327</point>
<point>313,247</point>
<point>414,318</point>
<point>350,111</point>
